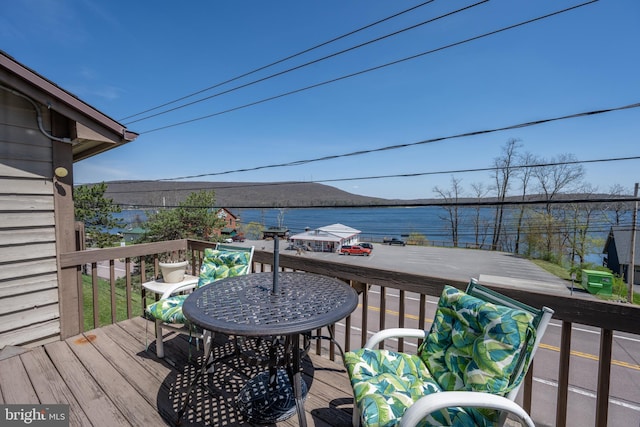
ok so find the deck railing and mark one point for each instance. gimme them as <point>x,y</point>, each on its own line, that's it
<point>377,310</point>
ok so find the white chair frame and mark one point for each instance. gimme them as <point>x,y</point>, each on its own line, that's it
<point>446,399</point>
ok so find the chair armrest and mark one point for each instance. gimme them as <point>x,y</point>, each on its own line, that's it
<point>394,333</point>
<point>447,399</point>
<point>185,285</point>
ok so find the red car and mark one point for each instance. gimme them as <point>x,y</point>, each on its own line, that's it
<point>354,250</point>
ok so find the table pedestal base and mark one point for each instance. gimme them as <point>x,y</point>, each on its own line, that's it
<point>262,405</point>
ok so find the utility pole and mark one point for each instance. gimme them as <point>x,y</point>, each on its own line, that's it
<point>632,265</point>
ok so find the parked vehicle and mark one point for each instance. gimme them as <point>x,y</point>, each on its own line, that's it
<point>393,241</point>
<point>354,250</point>
<point>366,245</point>
<point>298,247</point>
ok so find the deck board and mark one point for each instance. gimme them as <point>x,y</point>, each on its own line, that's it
<point>49,385</point>
<point>96,404</point>
<point>133,406</point>
<point>109,378</point>
<point>16,385</point>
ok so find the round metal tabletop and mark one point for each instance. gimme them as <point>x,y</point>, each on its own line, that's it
<point>246,305</point>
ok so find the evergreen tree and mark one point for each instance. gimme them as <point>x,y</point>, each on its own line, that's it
<point>96,212</point>
<point>195,218</point>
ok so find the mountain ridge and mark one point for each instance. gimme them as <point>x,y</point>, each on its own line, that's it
<point>155,194</point>
<point>239,194</point>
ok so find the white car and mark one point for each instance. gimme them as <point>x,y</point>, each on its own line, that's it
<point>228,240</point>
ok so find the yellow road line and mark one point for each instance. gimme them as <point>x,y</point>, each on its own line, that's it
<point>542,345</point>
<point>591,357</point>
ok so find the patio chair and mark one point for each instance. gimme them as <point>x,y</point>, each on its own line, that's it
<point>466,372</point>
<point>217,264</point>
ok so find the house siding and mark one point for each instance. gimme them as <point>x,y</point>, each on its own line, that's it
<point>618,253</point>
<point>613,261</point>
<point>29,298</point>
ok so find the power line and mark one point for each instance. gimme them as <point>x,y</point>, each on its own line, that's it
<point>412,144</point>
<point>279,61</point>
<point>403,175</point>
<point>306,64</point>
<point>435,203</point>
<point>538,165</point>
<point>379,67</point>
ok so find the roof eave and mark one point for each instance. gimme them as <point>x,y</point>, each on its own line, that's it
<point>54,97</point>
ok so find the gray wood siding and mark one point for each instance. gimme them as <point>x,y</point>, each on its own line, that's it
<point>29,313</point>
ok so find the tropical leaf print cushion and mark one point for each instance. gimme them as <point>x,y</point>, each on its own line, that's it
<point>476,345</point>
<point>472,345</point>
<point>169,310</point>
<point>220,264</point>
<point>216,265</point>
<point>385,383</point>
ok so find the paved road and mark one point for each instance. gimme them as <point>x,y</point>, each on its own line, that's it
<point>104,269</point>
<point>624,409</point>
<point>498,268</point>
<point>509,270</point>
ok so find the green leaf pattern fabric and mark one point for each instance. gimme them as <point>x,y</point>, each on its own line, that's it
<point>220,264</point>
<point>169,310</point>
<point>472,345</point>
<point>475,345</point>
<point>385,383</point>
<point>216,265</point>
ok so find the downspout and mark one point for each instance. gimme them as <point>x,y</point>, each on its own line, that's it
<point>38,116</point>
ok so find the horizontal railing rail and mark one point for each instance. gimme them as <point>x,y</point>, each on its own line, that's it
<point>577,309</point>
<point>610,317</point>
<point>374,286</point>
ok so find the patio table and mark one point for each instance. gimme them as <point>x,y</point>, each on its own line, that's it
<point>251,306</point>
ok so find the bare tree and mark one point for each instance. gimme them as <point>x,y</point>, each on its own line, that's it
<point>618,208</point>
<point>578,226</point>
<point>480,223</point>
<point>559,175</point>
<point>502,175</point>
<point>451,196</point>
<point>524,174</point>
<point>281,214</point>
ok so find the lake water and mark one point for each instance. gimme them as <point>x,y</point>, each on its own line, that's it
<point>374,223</point>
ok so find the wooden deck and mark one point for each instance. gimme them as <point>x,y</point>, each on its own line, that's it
<point>108,379</point>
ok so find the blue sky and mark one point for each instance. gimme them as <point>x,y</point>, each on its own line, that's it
<point>125,57</point>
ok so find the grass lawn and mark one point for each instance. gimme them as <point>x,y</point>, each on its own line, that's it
<point>619,288</point>
<point>554,269</point>
<point>104,302</point>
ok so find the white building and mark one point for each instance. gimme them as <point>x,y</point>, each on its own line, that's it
<point>326,239</point>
